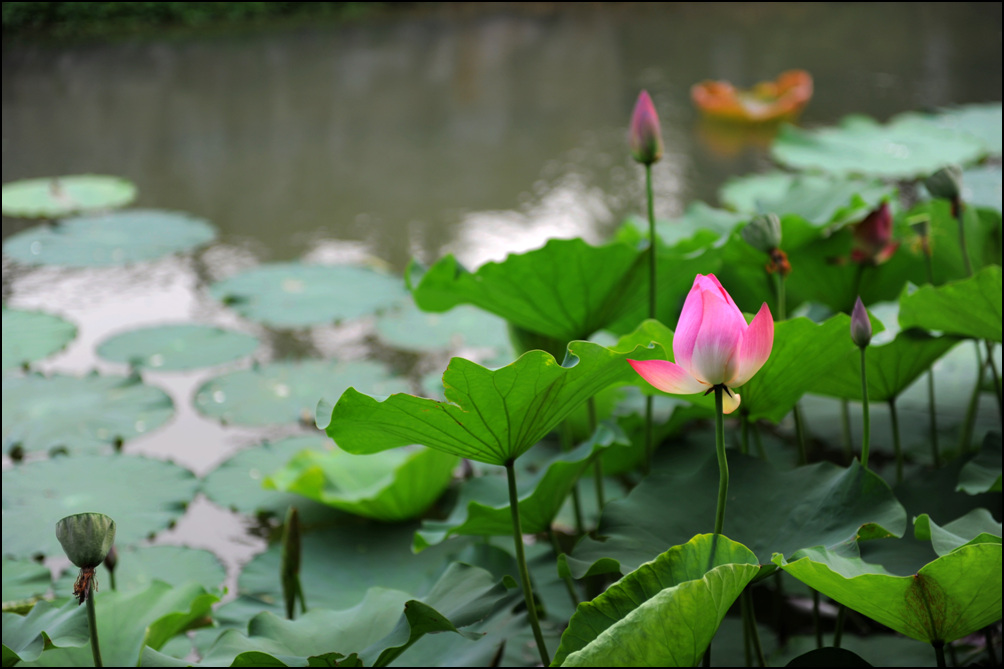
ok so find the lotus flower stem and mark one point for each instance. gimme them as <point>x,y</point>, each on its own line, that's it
<point>966,437</point>
<point>598,460</point>
<point>723,469</point>
<point>897,448</point>
<point>779,287</point>
<point>92,625</point>
<point>524,574</point>
<point>962,240</point>
<point>650,200</point>
<point>845,424</point>
<point>865,418</point>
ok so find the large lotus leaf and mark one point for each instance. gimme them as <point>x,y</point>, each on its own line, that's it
<point>823,201</point>
<point>983,473</point>
<point>891,368</point>
<point>483,506</point>
<point>411,329</point>
<point>982,121</point>
<point>32,335</point>
<point>366,555</point>
<point>128,621</point>
<point>768,510</point>
<point>119,238</point>
<point>80,413</point>
<point>626,625</point>
<point>566,290</point>
<point>24,579</point>
<point>45,626</point>
<point>977,526</point>
<point>880,650</point>
<point>698,223</point>
<point>981,186</point>
<point>983,240</point>
<point>177,347</point>
<point>138,567</point>
<point>490,416</point>
<point>294,295</point>
<point>237,482</point>
<point>947,599</point>
<point>287,392</point>
<point>391,486</point>
<point>906,148</point>
<point>143,496</point>
<point>969,307</point>
<point>56,197</point>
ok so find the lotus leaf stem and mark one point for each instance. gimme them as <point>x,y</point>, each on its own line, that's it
<point>838,632</point>
<point>815,619</point>
<point>993,373</point>
<point>598,460</point>
<point>966,437</point>
<point>569,583</point>
<point>751,630</point>
<point>933,417</point>
<point>803,456</point>
<point>939,652</point>
<point>897,447</point>
<point>524,573</point>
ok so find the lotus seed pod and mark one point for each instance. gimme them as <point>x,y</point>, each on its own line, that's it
<point>946,183</point>
<point>86,538</point>
<point>763,233</point>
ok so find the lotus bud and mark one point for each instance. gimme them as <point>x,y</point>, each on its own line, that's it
<point>873,243</point>
<point>645,136</point>
<point>763,233</point>
<point>861,326</point>
<point>86,538</point>
<point>946,183</point>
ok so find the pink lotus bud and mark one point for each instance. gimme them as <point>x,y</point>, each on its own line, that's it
<point>861,326</point>
<point>645,136</point>
<point>872,238</point>
<point>713,345</point>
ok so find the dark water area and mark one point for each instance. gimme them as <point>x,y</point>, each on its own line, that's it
<point>466,129</point>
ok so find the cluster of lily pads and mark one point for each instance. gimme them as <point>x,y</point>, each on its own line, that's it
<point>596,547</point>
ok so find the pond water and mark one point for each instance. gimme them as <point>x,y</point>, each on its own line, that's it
<point>457,129</point>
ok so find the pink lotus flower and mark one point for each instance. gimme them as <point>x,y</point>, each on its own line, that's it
<point>645,136</point>
<point>713,346</point>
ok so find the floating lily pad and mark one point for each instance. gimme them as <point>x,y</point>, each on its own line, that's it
<point>295,295</point>
<point>56,197</point>
<point>119,238</point>
<point>177,347</point>
<point>768,511</point>
<point>23,579</point>
<point>80,413</point>
<point>138,567</point>
<point>237,482</point>
<point>947,599</point>
<point>626,625</point>
<point>143,496</point>
<point>411,329</point>
<point>823,201</point>
<point>32,335</point>
<point>905,148</point>
<point>287,392</point>
<point>490,416</point>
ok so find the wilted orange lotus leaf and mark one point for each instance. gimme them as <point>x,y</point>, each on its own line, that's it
<point>781,99</point>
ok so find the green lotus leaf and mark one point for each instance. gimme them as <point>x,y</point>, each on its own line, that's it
<point>626,625</point>
<point>287,392</point>
<point>56,197</point>
<point>483,506</point>
<point>32,335</point>
<point>983,473</point>
<point>390,486</point>
<point>237,482</point>
<point>177,347</point>
<point>823,201</point>
<point>982,185</point>
<point>769,511</point>
<point>119,238</point>
<point>44,627</point>
<point>295,295</point>
<point>700,224</point>
<point>828,656</point>
<point>130,621</point>
<point>23,580</point>
<point>947,599</point>
<point>542,290</point>
<point>144,496</point>
<point>907,147</point>
<point>490,416</point>
<point>411,329</point>
<point>983,241</point>
<point>367,555</point>
<point>977,526</point>
<point>968,308</point>
<point>138,567</point>
<point>85,413</point>
<point>982,121</point>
